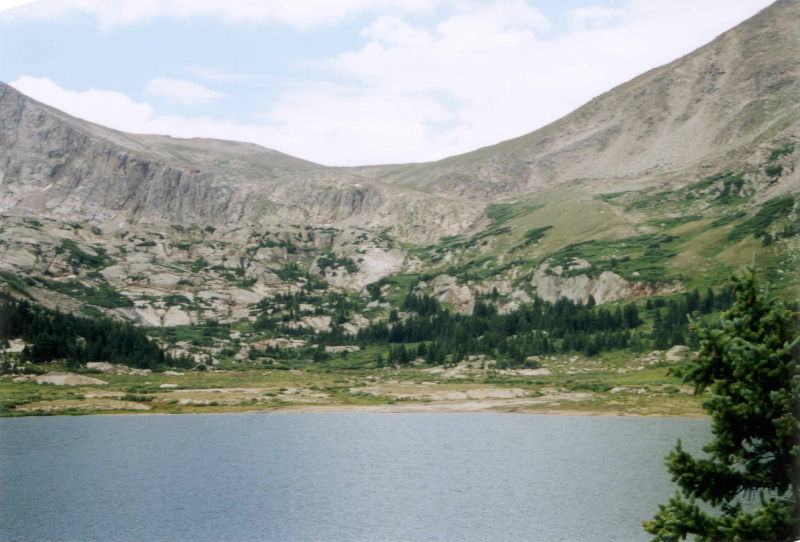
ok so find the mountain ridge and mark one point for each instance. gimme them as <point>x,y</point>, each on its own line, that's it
<point>646,129</point>
<point>52,163</point>
<point>553,272</point>
<point>776,79</point>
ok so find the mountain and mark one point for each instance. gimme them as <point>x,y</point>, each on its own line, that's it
<point>659,186</point>
<point>58,166</point>
<point>710,109</point>
<point>713,108</point>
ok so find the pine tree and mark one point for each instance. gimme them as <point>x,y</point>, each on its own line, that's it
<point>708,301</point>
<point>750,366</point>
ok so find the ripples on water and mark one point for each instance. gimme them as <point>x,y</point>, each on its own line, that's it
<point>335,477</point>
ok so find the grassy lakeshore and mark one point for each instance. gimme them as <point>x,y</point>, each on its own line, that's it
<point>644,386</point>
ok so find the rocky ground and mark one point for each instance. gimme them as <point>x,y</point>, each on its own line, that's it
<point>564,384</point>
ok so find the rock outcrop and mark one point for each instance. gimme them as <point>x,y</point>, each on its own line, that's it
<point>700,110</point>
<point>176,232</point>
<point>554,282</point>
<point>551,283</point>
<point>69,379</point>
<point>445,289</point>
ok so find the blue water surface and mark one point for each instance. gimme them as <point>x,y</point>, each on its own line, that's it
<point>335,477</point>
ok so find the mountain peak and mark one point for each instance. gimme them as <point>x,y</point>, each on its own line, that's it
<point>721,100</point>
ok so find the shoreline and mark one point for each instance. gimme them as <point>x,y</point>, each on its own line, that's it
<point>645,393</point>
<point>409,408</point>
<point>424,408</point>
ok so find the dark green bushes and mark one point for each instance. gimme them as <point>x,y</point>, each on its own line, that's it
<point>103,295</point>
<point>769,212</point>
<point>641,258</point>
<point>81,257</point>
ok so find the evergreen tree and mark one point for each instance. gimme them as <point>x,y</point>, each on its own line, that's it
<point>631,316</point>
<point>693,301</point>
<point>750,365</point>
<point>708,301</point>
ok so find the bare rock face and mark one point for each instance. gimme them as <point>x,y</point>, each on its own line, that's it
<point>175,316</point>
<point>69,379</point>
<point>15,251</point>
<point>610,286</point>
<point>147,316</point>
<point>317,323</point>
<point>551,284</point>
<point>373,264</point>
<point>720,101</point>
<point>166,232</point>
<point>56,166</point>
<point>446,290</point>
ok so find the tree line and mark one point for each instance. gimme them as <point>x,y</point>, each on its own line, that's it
<point>435,334</point>
<point>53,335</point>
<point>670,327</point>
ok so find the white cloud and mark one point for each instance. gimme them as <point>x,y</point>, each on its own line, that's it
<point>594,16</point>
<point>497,24</point>
<point>177,91</point>
<point>6,5</point>
<point>353,130</point>
<point>348,126</point>
<point>300,14</point>
<point>393,30</point>
<point>506,78</point>
<point>106,107</point>
<point>208,73</point>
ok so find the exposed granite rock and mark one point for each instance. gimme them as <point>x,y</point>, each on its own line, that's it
<point>551,284</point>
<point>68,379</point>
<point>445,289</point>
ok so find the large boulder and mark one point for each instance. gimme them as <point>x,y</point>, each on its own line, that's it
<point>68,379</point>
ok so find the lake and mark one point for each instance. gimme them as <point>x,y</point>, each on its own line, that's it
<point>335,477</point>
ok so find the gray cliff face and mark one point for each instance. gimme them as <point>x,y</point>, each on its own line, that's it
<point>60,167</point>
<point>52,166</point>
<point>717,108</point>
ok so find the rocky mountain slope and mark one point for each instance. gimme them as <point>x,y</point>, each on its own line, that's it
<point>660,186</point>
<point>58,166</point>
<point>715,108</point>
<point>712,108</point>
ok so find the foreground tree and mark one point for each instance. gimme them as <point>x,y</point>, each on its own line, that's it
<point>750,476</point>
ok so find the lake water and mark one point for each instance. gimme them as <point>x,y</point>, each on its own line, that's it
<point>335,477</point>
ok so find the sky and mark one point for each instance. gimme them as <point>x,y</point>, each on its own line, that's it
<point>344,82</point>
